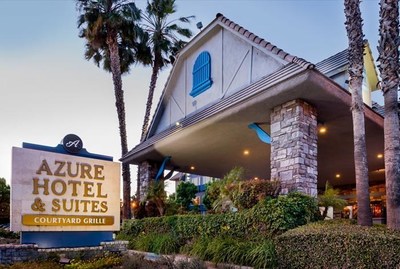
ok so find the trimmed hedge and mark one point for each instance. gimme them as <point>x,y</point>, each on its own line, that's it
<point>338,244</point>
<point>272,217</point>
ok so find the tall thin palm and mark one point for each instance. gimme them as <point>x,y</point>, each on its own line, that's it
<point>110,29</point>
<point>164,40</point>
<point>356,66</point>
<point>389,68</point>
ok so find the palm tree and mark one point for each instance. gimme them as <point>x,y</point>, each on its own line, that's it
<point>330,198</point>
<point>389,69</point>
<point>164,42</point>
<point>356,65</point>
<point>110,29</point>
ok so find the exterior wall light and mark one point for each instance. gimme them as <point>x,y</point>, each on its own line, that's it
<point>322,128</point>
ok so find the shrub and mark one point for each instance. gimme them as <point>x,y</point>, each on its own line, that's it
<point>157,243</point>
<point>102,262</point>
<point>338,244</point>
<point>272,217</point>
<point>249,192</point>
<point>233,191</point>
<point>229,250</point>
<point>286,212</point>
<point>156,197</point>
<point>4,233</point>
<point>262,255</point>
<point>139,212</point>
<point>185,193</point>
<point>171,206</point>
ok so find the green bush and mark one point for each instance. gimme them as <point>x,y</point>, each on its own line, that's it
<point>248,193</point>
<point>272,217</point>
<point>218,196</point>
<point>338,244</point>
<point>185,193</point>
<point>102,262</point>
<point>8,234</point>
<point>286,212</point>
<point>232,251</point>
<point>157,243</point>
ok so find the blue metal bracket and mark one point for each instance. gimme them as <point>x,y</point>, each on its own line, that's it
<point>262,135</point>
<point>162,168</point>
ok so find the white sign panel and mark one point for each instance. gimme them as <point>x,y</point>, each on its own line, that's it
<point>59,192</point>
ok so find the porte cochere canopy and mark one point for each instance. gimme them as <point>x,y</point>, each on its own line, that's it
<point>208,133</point>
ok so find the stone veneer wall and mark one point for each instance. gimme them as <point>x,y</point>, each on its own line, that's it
<point>147,172</point>
<point>294,147</point>
<point>28,252</point>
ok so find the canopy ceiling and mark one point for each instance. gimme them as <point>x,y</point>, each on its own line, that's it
<point>214,143</point>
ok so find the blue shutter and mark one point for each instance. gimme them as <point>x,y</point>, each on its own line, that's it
<point>201,74</point>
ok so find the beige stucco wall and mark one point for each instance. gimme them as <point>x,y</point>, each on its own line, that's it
<point>235,63</point>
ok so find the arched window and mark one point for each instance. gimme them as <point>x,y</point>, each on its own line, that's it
<point>201,74</point>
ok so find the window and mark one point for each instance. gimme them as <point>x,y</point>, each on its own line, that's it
<point>201,74</point>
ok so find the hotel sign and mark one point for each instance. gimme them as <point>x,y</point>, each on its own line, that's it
<point>60,192</point>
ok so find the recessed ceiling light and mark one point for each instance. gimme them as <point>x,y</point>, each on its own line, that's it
<point>246,152</point>
<point>379,156</point>
<point>192,167</point>
<point>322,129</point>
<point>337,175</point>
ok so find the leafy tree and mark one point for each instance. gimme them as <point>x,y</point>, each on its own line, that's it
<point>185,193</point>
<point>111,31</point>
<point>389,68</point>
<point>356,66</point>
<point>4,191</point>
<point>330,198</point>
<point>4,200</point>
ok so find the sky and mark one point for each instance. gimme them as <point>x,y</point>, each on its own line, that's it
<point>49,90</point>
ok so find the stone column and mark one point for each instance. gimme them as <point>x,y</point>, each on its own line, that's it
<point>294,147</point>
<point>147,172</point>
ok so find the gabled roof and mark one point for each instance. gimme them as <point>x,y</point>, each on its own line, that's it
<point>262,42</point>
<point>222,21</point>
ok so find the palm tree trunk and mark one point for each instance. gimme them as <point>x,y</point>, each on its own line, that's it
<point>356,49</point>
<point>120,105</point>
<point>153,83</point>
<point>389,69</point>
<point>146,120</point>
